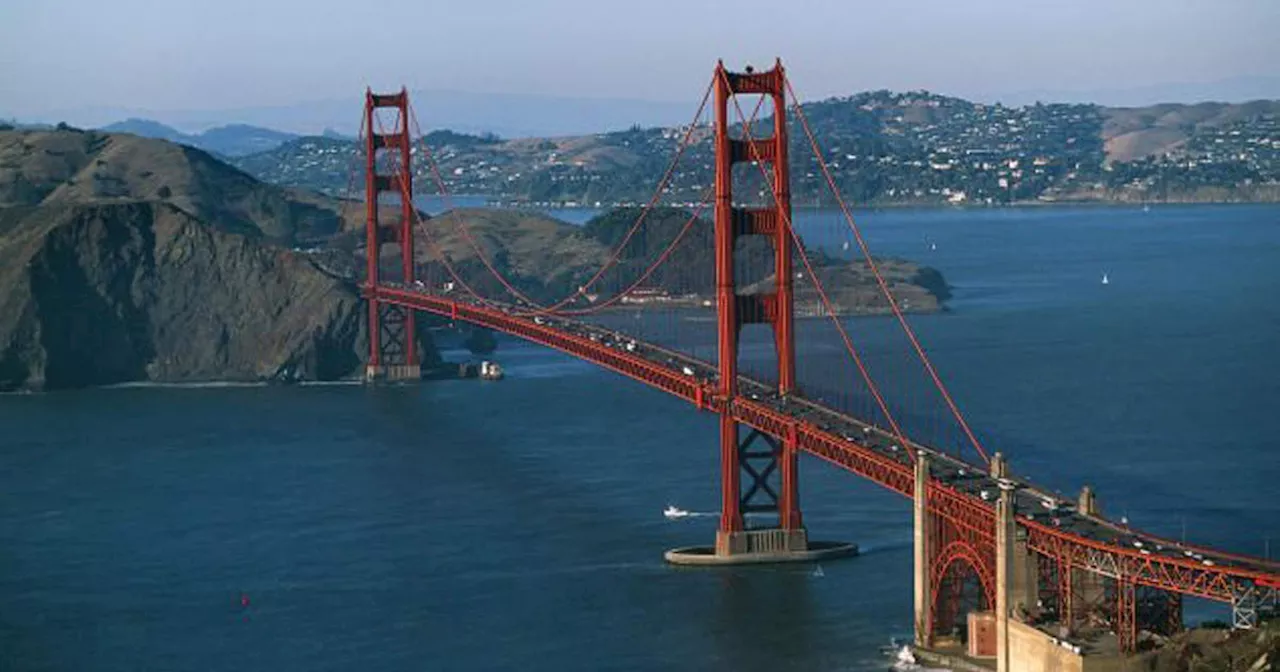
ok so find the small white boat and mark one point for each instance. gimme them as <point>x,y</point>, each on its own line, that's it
<point>490,371</point>
<point>933,246</point>
<point>673,513</point>
<point>1105,279</point>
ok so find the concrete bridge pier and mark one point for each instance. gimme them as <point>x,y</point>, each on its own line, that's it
<point>1024,590</point>
<point>738,544</point>
<point>924,629</point>
<point>392,373</point>
<point>1087,597</point>
<point>1004,546</point>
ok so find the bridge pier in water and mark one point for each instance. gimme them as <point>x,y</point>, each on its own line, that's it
<point>392,332</point>
<point>757,456</point>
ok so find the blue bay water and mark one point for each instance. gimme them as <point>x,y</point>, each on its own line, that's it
<point>517,525</point>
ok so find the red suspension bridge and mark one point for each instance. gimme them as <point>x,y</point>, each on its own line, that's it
<point>982,534</point>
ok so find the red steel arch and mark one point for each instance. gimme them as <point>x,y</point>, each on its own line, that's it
<point>948,567</point>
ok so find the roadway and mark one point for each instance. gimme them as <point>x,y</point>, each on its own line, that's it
<point>1055,527</point>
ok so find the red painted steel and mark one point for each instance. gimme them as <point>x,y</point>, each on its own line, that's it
<point>734,310</point>
<point>726,313</point>
<point>371,241</point>
<point>400,183</point>
<point>961,525</point>
<point>950,562</point>
<point>1126,621</point>
<point>784,307</point>
<point>1066,593</point>
<point>967,513</point>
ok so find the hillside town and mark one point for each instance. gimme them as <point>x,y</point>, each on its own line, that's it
<point>882,148</point>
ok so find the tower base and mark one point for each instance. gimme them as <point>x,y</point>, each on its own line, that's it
<point>755,547</point>
<point>392,373</point>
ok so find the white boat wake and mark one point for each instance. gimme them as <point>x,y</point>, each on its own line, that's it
<point>903,660</point>
<point>673,512</point>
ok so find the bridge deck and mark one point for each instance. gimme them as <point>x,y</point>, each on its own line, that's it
<point>1054,527</point>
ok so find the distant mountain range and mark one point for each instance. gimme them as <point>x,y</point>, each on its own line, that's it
<point>227,141</point>
<point>508,115</point>
<point>230,140</point>
<point>1231,90</point>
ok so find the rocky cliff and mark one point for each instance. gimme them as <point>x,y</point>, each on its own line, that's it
<point>124,259</point>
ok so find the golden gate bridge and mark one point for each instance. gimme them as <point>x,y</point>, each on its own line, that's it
<point>986,540</point>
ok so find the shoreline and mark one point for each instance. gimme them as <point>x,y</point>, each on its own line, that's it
<point>865,207</point>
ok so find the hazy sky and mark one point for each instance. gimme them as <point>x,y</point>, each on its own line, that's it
<point>217,54</point>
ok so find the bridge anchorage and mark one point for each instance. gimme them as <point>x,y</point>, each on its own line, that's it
<point>760,457</point>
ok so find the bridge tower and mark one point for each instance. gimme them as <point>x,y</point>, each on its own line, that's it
<point>393,351</point>
<point>738,456</point>
<point>768,462</point>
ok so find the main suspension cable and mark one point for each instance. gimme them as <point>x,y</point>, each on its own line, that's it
<point>884,287</point>
<point>822,294</point>
<point>617,253</point>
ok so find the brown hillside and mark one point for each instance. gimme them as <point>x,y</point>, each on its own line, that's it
<point>128,259</point>
<point>106,293</point>
<point>60,167</point>
<point>1135,132</point>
